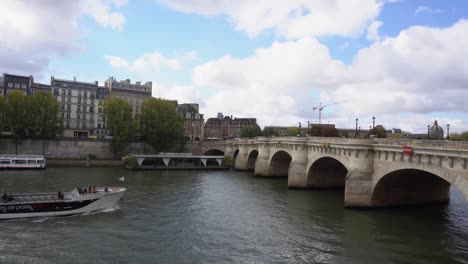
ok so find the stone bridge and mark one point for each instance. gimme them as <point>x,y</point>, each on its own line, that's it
<point>373,172</point>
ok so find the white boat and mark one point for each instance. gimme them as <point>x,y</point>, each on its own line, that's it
<point>59,204</point>
<point>22,161</point>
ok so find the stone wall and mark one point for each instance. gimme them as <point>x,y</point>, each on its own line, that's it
<point>70,148</point>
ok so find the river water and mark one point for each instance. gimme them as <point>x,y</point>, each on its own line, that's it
<point>225,217</point>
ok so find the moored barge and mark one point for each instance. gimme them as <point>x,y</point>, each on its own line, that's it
<point>22,161</point>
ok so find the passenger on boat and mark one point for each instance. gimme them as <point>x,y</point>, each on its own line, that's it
<point>85,191</point>
<point>89,189</point>
<point>60,195</point>
<point>106,189</point>
<point>5,197</point>
<point>93,189</point>
<point>80,191</point>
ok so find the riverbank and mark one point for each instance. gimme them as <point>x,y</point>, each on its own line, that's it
<point>57,163</point>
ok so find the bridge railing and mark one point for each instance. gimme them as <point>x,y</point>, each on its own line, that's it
<point>445,144</point>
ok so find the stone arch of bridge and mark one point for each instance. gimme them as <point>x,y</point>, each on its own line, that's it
<point>214,152</point>
<point>420,184</point>
<point>327,172</point>
<point>252,158</point>
<point>279,164</point>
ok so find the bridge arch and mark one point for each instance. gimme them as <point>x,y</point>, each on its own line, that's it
<point>214,152</point>
<point>252,158</point>
<point>326,172</point>
<point>411,186</point>
<point>279,164</point>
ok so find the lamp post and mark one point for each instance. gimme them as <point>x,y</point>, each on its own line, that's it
<point>373,125</point>
<point>356,134</point>
<point>308,126</point>
<point>448,131</point>
<point>428,136</point>
<point>300,129</point>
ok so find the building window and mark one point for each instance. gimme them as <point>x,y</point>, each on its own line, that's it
<point>17,85</point>
<point>62,114</point>
<point>63,91</point>
<point>69,99</point>
<point>91,109</point>
<point>68,107</point>
<point>67,124</point>
<point>78,108</point>
<point>78,116</point>
<point>69,92</point>
<point>99,125</point>
<point>79,100</point>
<point>68,115</point>
<point>85,93</point>
<point>10,85</point>
<point>23,86</point>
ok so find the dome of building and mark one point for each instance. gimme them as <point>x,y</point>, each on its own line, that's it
<point>436,132</point>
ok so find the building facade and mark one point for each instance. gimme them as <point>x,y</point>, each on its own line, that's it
<point>194,124</point>
<point>77,104</point>
<point>227,127</point>
<point>135,94</point>
<point>12,82</point>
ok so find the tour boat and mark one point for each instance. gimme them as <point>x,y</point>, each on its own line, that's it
<point>77,201</point>
<point>22,162</point>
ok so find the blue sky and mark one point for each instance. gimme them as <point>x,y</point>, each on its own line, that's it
<point>273,60</point>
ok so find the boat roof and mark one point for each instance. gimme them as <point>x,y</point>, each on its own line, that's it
<point>13,156</point>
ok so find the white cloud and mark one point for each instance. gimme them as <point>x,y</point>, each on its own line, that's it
<point>373,30</point>
<point>100,11</point>
<point>291,19</point>
<point>31,32</point>
<point>146,63</point>
<point>421,71</point>
<point>427,10</point>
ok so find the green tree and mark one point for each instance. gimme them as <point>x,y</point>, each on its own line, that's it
<point>459,137</point>
<point>292,131</point>
<point>18,116</point>
<point>380,131</point>
<point>45,110</point>
<point>162,126</point>
<point>269,132</point>
<point>324,131</point>
<point>250,132</point>
<point>118,114</point>
<point>2,113</point>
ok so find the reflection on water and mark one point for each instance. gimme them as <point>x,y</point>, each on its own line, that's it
<point>225,217</point>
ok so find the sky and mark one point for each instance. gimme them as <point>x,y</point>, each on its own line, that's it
<point>402,61</point>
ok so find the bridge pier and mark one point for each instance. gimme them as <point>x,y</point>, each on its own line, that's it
<point>242,159</point>
<point>263,159</point>
<point>358,187</point>
<point>297,173</point>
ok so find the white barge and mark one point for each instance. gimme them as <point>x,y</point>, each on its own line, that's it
<point>22,161</point>
<point>59,204</point>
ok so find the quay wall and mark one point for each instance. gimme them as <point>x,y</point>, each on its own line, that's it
<point>71,148</point>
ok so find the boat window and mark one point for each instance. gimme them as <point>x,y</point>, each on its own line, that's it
<point>31,162</point>
<point>40,161</point>
<point>4,161</point>
<point>19,161</point>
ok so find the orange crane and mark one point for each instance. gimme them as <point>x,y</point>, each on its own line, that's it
<point>320,107</point>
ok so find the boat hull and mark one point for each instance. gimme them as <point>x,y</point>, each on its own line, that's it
<point>62,208</point>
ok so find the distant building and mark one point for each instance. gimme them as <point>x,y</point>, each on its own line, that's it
<point>194,124</point>
<point>100,121</point>
<point>77,104</point>
<point>1,85</point>
<point>436,132</point>
<point>227,127</point>
<point>39,87</point>
<point>135,94</point>
<point>12,82</point>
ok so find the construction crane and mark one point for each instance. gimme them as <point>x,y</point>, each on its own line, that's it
<point>320,107</point>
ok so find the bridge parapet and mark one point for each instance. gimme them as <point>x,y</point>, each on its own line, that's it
<point>440,144</point>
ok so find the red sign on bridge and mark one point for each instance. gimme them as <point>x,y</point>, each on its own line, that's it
<point>408,150</point>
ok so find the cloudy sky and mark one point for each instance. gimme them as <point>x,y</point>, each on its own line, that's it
<point>403,61</point>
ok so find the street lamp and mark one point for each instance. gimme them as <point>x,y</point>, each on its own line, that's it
<point>428,136</point>
<point>357,120</point>
<point>308,126</point>
<point>373,125</point>
<point>448,131</point>
<point>300,129</point>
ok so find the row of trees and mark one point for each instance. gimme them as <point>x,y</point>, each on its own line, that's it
<point>33,116</point>
<point>159,124</point>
